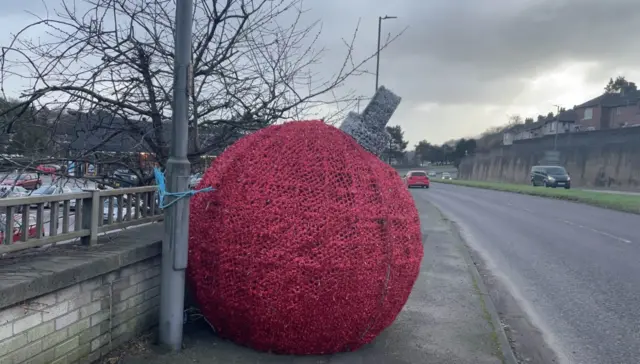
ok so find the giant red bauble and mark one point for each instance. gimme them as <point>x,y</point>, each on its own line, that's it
<point>308,245</point>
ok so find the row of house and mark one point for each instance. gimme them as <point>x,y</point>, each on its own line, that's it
<point>607,111</point>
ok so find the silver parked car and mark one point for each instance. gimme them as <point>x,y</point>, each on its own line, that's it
<point>125,216</point>
<point>49,190</point>
<point>13,192</point>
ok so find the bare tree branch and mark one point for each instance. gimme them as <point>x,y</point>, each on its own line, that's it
<point>110,61</point>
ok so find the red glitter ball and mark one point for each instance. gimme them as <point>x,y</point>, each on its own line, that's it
<point>309,244</point>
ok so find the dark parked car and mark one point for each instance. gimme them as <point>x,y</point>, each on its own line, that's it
<point>550,176</point>
<point>124,179</point>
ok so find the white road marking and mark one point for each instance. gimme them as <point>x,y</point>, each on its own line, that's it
<point>604,233</point>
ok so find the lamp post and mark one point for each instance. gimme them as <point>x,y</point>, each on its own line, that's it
<point>380,19</point>
<point>555,138</point>
<point>176,222</point>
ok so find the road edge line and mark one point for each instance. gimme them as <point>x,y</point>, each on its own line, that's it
<point>508,357</point>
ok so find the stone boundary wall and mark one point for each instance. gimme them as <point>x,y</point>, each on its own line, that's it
<point>75,304</point>
<point>598,159</point>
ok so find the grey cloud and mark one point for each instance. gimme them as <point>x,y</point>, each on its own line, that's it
<point>474,47</point>
<point>468,53</point>
<point>477,51</point>
<point>462,55</point>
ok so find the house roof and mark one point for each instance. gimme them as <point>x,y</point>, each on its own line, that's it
<point>629,97</point>
<point>533,126</point>
<point>565,116</point>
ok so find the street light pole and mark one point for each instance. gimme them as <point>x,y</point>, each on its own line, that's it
<point>380,19</point>
<point>176,221</point>
<point>555,138</point>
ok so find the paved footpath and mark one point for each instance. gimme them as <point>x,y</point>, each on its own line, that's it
<point>446,319</point>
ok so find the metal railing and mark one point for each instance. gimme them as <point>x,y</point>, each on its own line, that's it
<point>83,215</point>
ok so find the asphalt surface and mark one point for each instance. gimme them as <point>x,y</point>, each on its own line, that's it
<point>574,269</point>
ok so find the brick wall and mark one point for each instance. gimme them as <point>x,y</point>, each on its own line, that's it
<point>620,115</point>
<point>595,119</point>
<point>80,323</point>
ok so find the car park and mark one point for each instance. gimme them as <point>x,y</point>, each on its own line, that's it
<point>72,203</point>
<point>17,227</point>
<point>126,215</point>
<point>13,192</point>
<point>124,178</point>
<point>50,190</point>
<point>27,181</point>
<point>48,168</point>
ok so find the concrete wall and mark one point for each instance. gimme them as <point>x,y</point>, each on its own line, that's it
<point>104,297</point>
<point>598,159</point>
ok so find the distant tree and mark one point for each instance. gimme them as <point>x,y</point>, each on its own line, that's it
<point>471,147</point>
<point>540,118</point>
<point>423,148</point>
<point>515,120</point>
<point>438,154</point>
<point>550,114</point>
<point>397,146</point>
<point>463,148</point>
<point>448,154</point>
<point>22,132</point>
<point>618,84</point>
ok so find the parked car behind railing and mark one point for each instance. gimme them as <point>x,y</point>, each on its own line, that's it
<point>96,212</point>
<point>13,191</point>
<point>31,230</point>
<point>28,181</point>
<point>50,190</point>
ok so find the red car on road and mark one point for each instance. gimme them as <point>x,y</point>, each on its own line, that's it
<point>27,181</point>
<point>417,179</point>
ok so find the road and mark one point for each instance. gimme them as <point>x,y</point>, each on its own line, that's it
<point>574,269</point>
<point>453,172</point>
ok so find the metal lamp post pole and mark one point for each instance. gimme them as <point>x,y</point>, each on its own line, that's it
<point>555,138</point>
<point>176,222</point>
<point>380,19</point>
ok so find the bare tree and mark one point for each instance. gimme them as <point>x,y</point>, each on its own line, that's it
<point>111,61</point>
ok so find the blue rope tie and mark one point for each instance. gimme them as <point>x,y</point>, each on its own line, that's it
<point>162,190</point>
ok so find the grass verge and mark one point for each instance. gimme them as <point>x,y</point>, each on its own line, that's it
<point>619,202</point>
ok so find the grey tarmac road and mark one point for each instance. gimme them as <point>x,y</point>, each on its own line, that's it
<point>574,269</point>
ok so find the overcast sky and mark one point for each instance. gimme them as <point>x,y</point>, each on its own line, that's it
<point>465,65</point>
